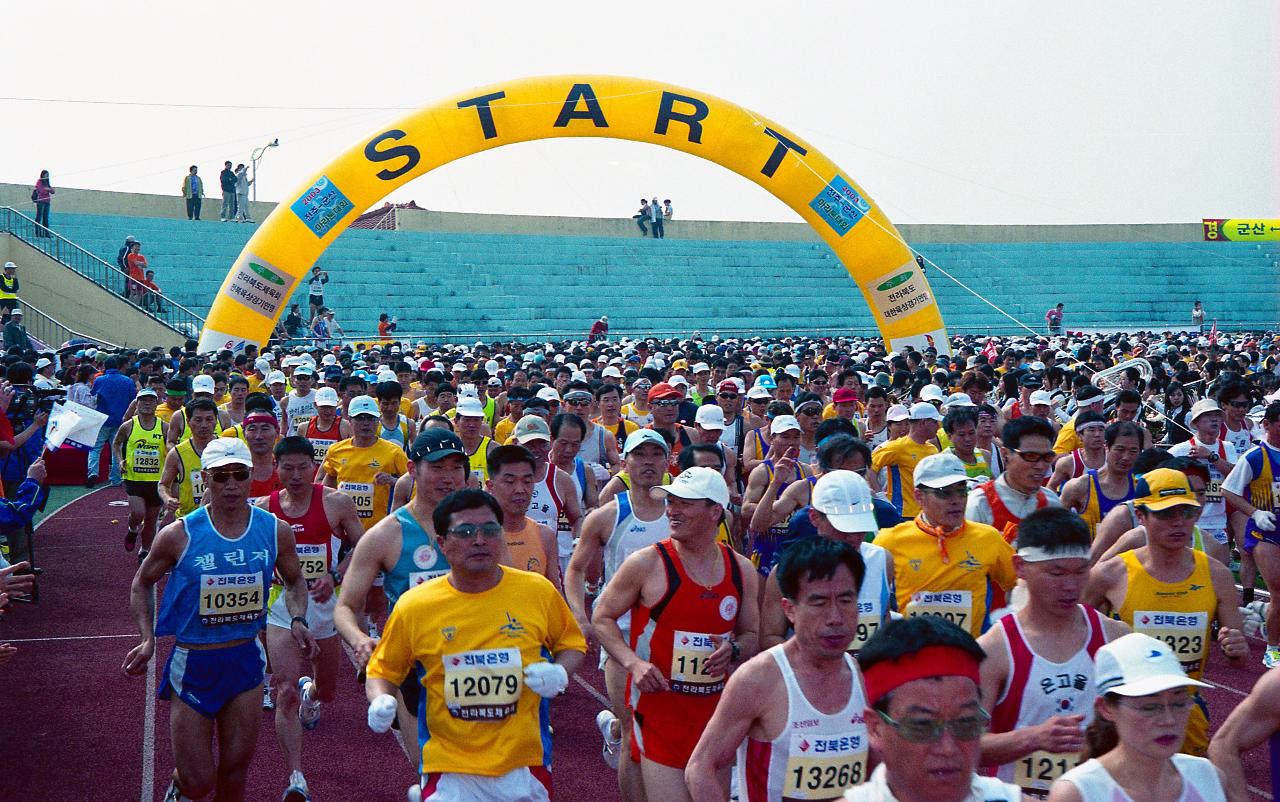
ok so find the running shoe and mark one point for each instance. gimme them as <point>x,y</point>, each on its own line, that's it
<point>267,702</point>
<point>131,540</point>
<point>297,790</point>
<point>308,709</point>
<point>173,794</point>
<point>1272,657</point>
<point>612,746</point>
<point>415,793</point>
<point>142,555</point>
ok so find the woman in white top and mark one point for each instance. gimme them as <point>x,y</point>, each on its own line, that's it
<point>1144,700</point>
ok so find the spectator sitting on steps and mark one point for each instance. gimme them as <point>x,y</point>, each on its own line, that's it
<point>15,333</point>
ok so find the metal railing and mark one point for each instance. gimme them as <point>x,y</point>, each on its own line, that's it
<point>53,333</point>
<point>94,268</point>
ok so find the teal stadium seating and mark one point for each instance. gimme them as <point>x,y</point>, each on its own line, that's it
<point>492,284</point>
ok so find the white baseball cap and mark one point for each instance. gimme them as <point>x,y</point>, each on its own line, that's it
<point>696,483</point>
<point>1139,665</point>
<point>275,377</point>
<point>363,405</point>
<point>924,411</point>
<point>470,407</point>
<point>532,427</point>
<point>897,412</point>
<point>937,471</point>
<point>784,423</point>
<point>326,397</point>
<point>700,367</point>
<point>932,392</point>
<point>710,416</point>
<point>262,365</point>
<point>845,498</point>
<point>641,436</point>
<point>678,381</point>
<point>225,451</point>
<point>202,384</point>
<point>611,373</point>
<point>43,362</point>
<point>793,371</point>
<point>956,400</point>
<point>1041,397</point>
<point>757,391</point>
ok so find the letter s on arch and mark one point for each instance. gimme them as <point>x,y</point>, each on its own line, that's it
<point>408,152</point>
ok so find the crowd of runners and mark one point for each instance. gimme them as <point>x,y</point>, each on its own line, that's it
<point>814,569</point>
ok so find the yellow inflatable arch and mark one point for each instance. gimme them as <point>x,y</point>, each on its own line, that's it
<point>291,239</point>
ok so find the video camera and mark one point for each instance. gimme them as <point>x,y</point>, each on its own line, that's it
<point>28,401</point>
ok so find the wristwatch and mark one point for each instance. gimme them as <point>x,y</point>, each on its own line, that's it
<point>1213,457</point>
<point>297,619</point>
<point>737,652</point>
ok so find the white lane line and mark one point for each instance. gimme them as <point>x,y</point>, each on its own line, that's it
<point>1229,689</point>
<point>67,637</point>
<point>591,689</point>
<point>149,730</point>
<point>57,510</point>
<point>1261,793</point>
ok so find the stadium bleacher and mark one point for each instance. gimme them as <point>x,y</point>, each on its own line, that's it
<point>495,284</point>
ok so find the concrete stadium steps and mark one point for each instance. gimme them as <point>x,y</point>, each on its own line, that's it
<point>517,284</point>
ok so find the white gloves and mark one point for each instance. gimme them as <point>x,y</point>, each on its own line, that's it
<point>546,679</point>
<point>382,711</point>
<point>1264,520</point>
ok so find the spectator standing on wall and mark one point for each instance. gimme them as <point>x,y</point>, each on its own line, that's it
<point>599,329</point>
<point>667,211</point>
<point>1197,317</point>
<point>121,256</point>
<point>315,290</point>
<point>8,291</point>
<point>642,216</point>
<point>227,179</point>
<point>42,195</point>
<point>242,194</point>
<point>1054,318</point>
<point>386,326</point>
<point>136,267</point>
<point>193,191</point>
<point>655,219</point>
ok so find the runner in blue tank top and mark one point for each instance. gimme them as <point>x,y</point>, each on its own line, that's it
<point>219,559</point>
<point>403,547</point>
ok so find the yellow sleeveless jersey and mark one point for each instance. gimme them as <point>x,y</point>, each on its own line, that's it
<point>190,478</point>
<point>478,460</point>
<point>474,648</point>
<point>144,452</point>
<point>1180,614</point>
<point>955,584</point>
<point>165,413</point>
<point>355,469</point>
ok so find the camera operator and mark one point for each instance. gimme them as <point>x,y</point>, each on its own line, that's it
<point>20,411</point>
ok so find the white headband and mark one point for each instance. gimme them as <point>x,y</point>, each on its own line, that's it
<point>1035,554</point>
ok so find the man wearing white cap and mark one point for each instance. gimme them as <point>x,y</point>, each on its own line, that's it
<point>693,617</point>
<point>1208,446</point>
<point>1037,680</point>
<point>701,378</point>
<point>178,428</point>
<point>137,448</point>
<point>45,378</point>
<point>182,484</point>
<point>326,428</point>
<point>277,386</point>
<point>944,564</point>
<point>843,510</point>
<point>300,404</point>
<point>707,429</point>
<point>630,521</point>
<point>898,458</point>
<point>469,422</point>
<point>770,478</point>
<point>220,560</point>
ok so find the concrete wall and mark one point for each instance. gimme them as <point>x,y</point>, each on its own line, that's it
<point>78,303</point>
<point>92,201</point>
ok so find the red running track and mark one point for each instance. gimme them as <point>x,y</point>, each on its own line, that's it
<point>73,726</point>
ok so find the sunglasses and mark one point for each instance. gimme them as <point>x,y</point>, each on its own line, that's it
<point>727,396</point>
<point>218,477</point>
<point>758,400</point>
<point>927,730</point>
<point>490,530</point>
<point>577,403</point>
<point>666,402</point>
<point>1184,511</point>
<point>1035,457</point>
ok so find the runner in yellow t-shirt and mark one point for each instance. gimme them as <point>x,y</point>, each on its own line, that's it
<point>943,564</point>
<point>483,633</point>
<point>898,458</point>
<point>364,466</point>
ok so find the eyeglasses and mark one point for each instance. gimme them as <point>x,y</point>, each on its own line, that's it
<point>758,400</point>
<point>1035,457</point>
<point>818,381</point>
<point>960,491</point>
<point>493,529</point>
<point>1184,511</point>
<point>1154,709</point>
<point>666,402</point>
<point>926,730</point>
<point>727,396</point>
<point>218,477</point>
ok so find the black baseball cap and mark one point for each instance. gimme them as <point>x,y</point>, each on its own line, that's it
<point>436,444</point>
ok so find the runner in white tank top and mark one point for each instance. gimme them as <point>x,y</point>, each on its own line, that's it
<point>816,755</point>
<point>1200,782</point>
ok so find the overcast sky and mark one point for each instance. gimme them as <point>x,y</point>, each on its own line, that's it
<point>947,112</point>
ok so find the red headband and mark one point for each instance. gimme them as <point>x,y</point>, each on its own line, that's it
<point>261,417</point>
<point>931,661</point>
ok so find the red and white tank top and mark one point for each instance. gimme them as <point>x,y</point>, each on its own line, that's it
<point>675,634</point>
<point>322,440</point>
<point>545,505</point>
<point>313,536</point>
<point>816,756</point>
<point>1039,689</point>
